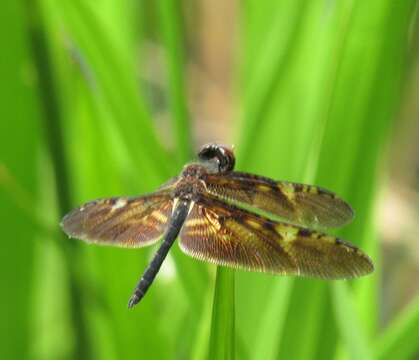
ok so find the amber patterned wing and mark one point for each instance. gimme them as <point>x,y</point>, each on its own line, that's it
<point>120,221</point>
<point>305,205</point>
<point>226,235</point>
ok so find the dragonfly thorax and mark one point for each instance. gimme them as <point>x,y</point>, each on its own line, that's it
<point>191,183</point>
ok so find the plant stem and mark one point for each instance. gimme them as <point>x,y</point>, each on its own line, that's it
<point>222,339</point>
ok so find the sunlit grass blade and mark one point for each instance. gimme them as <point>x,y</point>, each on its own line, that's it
<point>399,340</point>
<point>261,79</point>
<point>271,328</point>
<point>54,142</point>
<point>347,319</point>
<point>329,100</point>
<point>117,89</point>
<point>19,148</point>
<point>222,340</point>
<point>200,349</point>
<point>291,148</point>
<point>171,33</point>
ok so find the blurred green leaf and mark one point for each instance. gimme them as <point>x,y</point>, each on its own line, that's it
<point>313,122</point>
<point>111,67</point>
<point>348,323</point>
<point>171,33</point>
<point>399,340</point>
<point>222,340</point>
<point>19,151</point>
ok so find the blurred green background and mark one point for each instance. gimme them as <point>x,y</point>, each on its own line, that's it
<point>111,98</point>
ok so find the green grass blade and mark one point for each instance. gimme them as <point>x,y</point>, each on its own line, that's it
<point>54,140</point>
<point>329,100</point>
<point>222,338</point>
<point>349,324</point>
<point>400,340</point>
<point>115,87</point>
<point>171,34</point>
<point>19,150</point>
<point>271,329</point>
<point>273,59</point>
<point>288,147</point>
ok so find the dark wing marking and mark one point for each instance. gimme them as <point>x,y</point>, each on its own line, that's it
<point>305,205</point>
<point>120,221</point>
<point>226,235</point>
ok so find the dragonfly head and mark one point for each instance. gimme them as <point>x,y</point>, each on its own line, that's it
<point>221,154</point>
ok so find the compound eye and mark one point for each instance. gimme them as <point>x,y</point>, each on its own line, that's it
<point>222,154</point>
<point>226,159</point>
<point>208,152</point>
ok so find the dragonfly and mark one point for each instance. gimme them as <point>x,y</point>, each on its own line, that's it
<point>209,206</point>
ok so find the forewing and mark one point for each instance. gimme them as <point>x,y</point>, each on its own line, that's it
<point>304,205</point>
<point>120,221</point>
<point>226,235</point>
